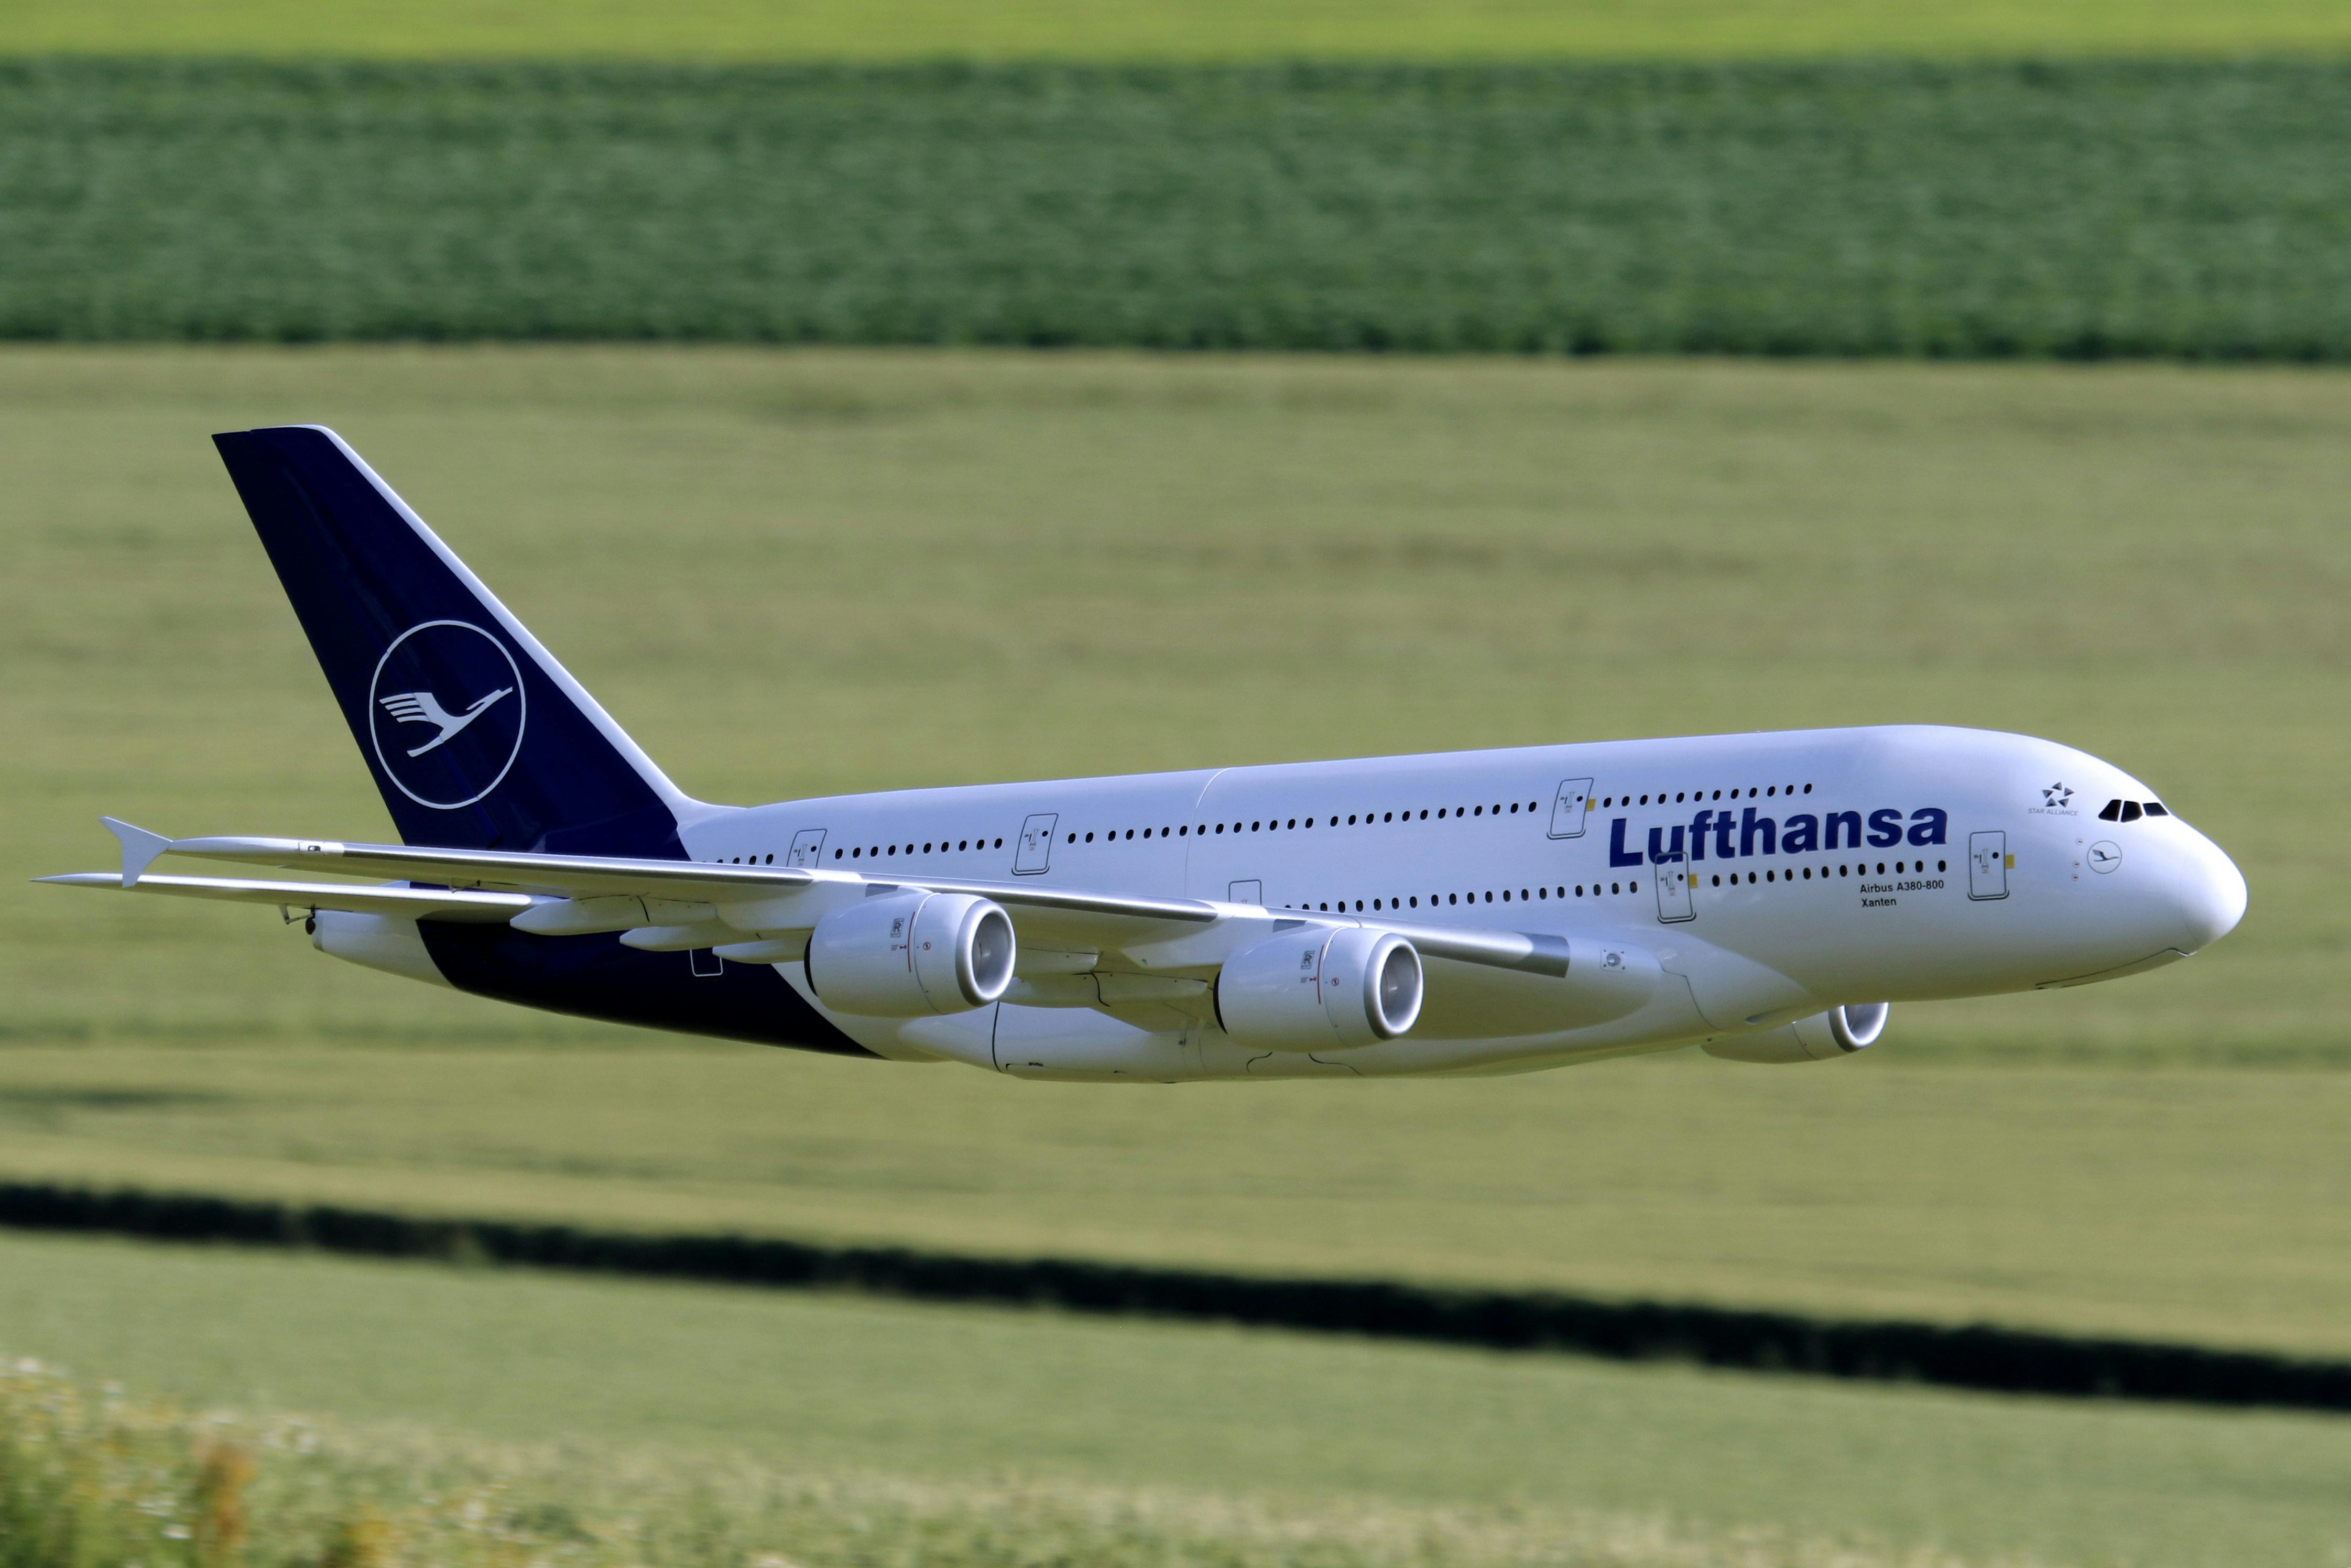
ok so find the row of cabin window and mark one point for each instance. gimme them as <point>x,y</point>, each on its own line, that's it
<point>1276,825</point>
<point>1449,899</point>
<point>1683,796</point>
<point>2131,810</point>
<point>876,851</point>
<point>1901,867</point>
<point>960,846</point>
<point>2153,810</point>
<point>1368,819</point>
<point>1204,829</point>
<point>1437,899</point>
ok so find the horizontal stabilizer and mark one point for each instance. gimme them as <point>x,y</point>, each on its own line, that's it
<point>409,902</point>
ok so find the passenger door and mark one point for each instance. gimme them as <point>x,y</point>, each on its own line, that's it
<point>1035,850</point>
<point>808,848</point>
<point>1988,865</point>
<point>1673,885</point>
<point>1567,810</point>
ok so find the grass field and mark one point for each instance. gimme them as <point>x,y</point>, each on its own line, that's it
<point>2087,210</point>
<point>2169,1204</point>
<point>116,1476</point>
<point>1414,1447</point>
<point>1193,29</point>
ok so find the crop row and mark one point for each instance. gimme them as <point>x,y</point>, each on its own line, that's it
<point>2082,210</point>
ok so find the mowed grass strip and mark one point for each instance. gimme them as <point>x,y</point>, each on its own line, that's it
<point>1739,1468</point>
<point>1168,29</point>
<point>2168,1205</point>
<point>1868,208</point>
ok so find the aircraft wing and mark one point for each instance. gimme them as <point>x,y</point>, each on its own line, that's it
<point>710,903</point>
<point>588,876</point>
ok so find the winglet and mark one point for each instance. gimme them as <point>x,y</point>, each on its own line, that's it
<point>139,848</point>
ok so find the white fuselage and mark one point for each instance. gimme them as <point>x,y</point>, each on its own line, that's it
<point>1709,888</point>
<point>1760,894</point>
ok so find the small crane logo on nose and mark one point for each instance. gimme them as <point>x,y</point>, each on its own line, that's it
<point>2105,855</point>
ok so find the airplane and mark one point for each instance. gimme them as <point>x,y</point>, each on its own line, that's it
<point>1766,896</point>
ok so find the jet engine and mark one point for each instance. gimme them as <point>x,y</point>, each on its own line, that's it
<point>1317,989</point>
<point>910,954</point>
<point>1824,1037</point>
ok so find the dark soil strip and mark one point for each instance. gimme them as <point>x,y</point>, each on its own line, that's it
<point>2083,210</point>
<point>2012,1361</point>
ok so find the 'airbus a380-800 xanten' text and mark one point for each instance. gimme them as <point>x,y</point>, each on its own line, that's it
<point>1766,896</point>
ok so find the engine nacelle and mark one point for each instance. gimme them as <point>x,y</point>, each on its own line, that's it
<point>1316,988</point>
<point>909,955</point>
<point>386,942</point>
<point>1824,1037</point>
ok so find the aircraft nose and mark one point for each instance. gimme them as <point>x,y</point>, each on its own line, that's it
<point>2207,891</point>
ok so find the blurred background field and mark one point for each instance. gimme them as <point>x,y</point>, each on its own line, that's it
<point>2160,1204</point>
<point>2090,209</point>
<point>1170,29</point>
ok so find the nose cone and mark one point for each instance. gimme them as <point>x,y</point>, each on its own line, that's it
<point>2207,891</point>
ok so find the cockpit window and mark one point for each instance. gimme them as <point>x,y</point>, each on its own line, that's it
<point>2112,813</point>
<point>2131,810</point>
<point>2154,809</point>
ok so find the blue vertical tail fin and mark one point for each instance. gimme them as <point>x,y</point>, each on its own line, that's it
<point>477,736</point>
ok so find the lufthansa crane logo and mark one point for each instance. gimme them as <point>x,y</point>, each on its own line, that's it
<point>423,708</point>
<point>447,712</point>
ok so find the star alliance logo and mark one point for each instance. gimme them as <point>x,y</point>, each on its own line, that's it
<point>2056,800</point>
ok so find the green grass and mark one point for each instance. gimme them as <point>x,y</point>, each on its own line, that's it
<point>1562,1451</point>
<point>2083,210</point>
<point>93,1478</point>
<point>2163,1205</point>
<point>1196,29</point>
